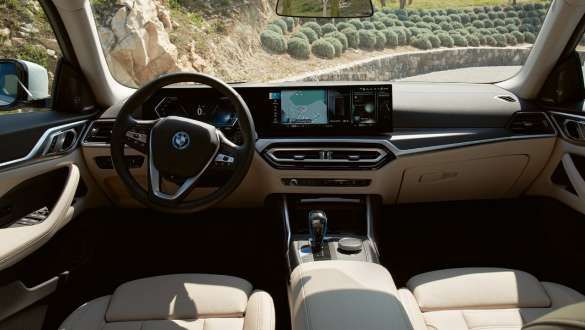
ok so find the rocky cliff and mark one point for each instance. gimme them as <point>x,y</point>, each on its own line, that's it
<point>145,38</point>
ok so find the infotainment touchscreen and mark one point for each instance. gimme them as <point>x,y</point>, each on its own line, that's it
<point>308,107</point>
<point>332,107</point>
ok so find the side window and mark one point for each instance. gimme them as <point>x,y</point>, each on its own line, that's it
<point>28,56</point>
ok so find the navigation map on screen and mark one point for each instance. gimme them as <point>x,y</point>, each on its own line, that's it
<point>304,106</point>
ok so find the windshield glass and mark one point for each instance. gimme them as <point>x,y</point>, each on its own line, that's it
<point>244,40</point>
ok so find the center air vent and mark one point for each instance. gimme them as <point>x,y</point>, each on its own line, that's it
<point>531,123</point>
<point>100,132</point>
<point>354,157</point>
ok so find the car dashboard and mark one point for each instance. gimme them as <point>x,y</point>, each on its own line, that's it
<point>406,142</point>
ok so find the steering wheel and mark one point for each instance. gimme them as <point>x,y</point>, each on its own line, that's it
<point>181,149</point>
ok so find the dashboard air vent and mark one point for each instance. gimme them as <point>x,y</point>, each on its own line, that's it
<point>507,98</point>
<point>531,123</point>
<point>100,132</point>
<point>333,157</point>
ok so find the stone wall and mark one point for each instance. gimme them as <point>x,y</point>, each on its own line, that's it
<point>398,66</point>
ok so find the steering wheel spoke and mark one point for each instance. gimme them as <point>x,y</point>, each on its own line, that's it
<point>155,182</point>
<point>228,155</point>
<point>137,134</point>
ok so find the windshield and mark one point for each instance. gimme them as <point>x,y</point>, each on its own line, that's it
<point>244,40</point>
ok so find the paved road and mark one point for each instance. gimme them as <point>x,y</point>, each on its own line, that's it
<point>486,74</point>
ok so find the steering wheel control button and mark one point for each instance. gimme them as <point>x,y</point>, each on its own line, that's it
<point>181,140</point>
<point>349,245</point>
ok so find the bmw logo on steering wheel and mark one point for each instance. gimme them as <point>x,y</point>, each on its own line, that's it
<point>180,140</point>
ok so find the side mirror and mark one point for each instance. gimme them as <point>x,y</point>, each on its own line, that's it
<point>22,83</point>
<point>325,8</point>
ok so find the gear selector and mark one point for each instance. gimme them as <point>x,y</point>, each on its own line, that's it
<point>318,229</point>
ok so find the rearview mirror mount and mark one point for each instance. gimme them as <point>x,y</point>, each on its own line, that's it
<point>325,8</point>
<point>22,83</point>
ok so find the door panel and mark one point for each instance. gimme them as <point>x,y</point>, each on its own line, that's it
<point>563,178</point>
<point>18,242</point>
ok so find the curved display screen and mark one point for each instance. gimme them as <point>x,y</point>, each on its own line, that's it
<point>333,107</point>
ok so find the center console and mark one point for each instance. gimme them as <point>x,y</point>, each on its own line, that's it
<point>325,228</point>
<point>336,280</point>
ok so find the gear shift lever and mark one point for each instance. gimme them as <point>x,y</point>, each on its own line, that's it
<point>318,229</point>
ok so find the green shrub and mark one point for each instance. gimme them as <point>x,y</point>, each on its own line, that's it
<point>492,15</point>
<point>435,27</point>
<point>402,37</point>
<point>455,18</point>
<point>273,42</point>
<point>462,32</point>
<point>457,26</point>
<point>499,22</point>
<point>482,16</point>
<point>435,41</point>
<point>339,36</point>
<point>344,25</point>
<point>511,27</point>
<point>290,23</point>
<point>510,39</point>
<point>336,45</point>
<point>367,39</point>
<point>368,26</point>
<point>398,23</point>
<point>323,49</point>
<point>379,25</point>
<point>274,28</point>
<point>511,14</point>
<point>353,38</point>
<point>465,19</point>
<point>446,26</point>
<point>408,24</point>
<point>423,25</point>
<point>415,18</point>
<point>315,27</point>
<point>472,40</point>
<point>356,23</point>
<point>281,24</point>
<point>500,40</point>
<point>472,17</point>
<point>392,38</point>
<point>519,36</point>
<point>538,6</point>
<point>298,48</point>
<point>502,29</point>
<point>480,37</point>
<point>428,19</point>
<point>441,19</point>
<point>525,28</point>
<point>490,41</point>
<point>388,22</point>
<point>310,33</point>
<point>488,24</point>
<point>328,28</point>
<point>299,34</point>
<point>501,15</point>
<point>380,40</point>
<point>421,42</point>
<point>478,24</point>
<point>529,37</point>
<point>478,10</point>
<point>459,40</point>
<point>446,40</point>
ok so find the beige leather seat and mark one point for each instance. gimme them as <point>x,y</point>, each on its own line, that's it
<point>481,298</point>
<point>182,301</point>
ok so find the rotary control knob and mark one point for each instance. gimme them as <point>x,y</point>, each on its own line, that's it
<point>350,245</point>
